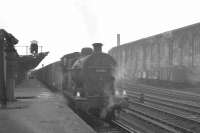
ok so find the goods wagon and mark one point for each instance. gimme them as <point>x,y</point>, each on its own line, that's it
<point>51,75</point>
<point>173,56</point>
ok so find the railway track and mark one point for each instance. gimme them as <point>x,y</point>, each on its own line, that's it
<point>101,126</point>
<point>191,107</point>
<point>165,102</point>
<point>174,109</point>
<point>164,116</point>
<point>174,94</point>
<point>146,124</point>
<point>126,126</point>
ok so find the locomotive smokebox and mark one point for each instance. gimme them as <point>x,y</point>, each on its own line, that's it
<point>97,47</point>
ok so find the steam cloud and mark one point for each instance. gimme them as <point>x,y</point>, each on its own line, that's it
<point>111,102</point>
<point>90,19</point>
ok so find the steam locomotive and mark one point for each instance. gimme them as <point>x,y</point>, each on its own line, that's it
<point>87,79</point>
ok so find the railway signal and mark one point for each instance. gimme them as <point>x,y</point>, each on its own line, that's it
<point>34,47</point>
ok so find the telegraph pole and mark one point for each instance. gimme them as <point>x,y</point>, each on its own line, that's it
<point>118,40</point>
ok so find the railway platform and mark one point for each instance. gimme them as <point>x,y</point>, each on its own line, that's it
<point>38,110</point>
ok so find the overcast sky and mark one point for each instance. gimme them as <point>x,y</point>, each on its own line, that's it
<point>64,26</point>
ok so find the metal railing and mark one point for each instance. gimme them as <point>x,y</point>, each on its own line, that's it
<point>25,50</point>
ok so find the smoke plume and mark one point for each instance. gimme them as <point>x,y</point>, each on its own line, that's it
<point>89,17</point>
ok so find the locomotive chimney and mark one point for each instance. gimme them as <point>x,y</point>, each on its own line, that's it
<point>97,47</point>
<point>118,39</point>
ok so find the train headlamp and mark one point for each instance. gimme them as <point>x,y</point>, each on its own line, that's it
<point>117,92</point>
<point>120,93</point>
<point>78,94</point>
<point>124,93</point>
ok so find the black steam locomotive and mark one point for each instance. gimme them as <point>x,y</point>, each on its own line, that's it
<point>87,79</point>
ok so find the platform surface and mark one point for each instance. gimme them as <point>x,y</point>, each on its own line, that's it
<point>38,110</point>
